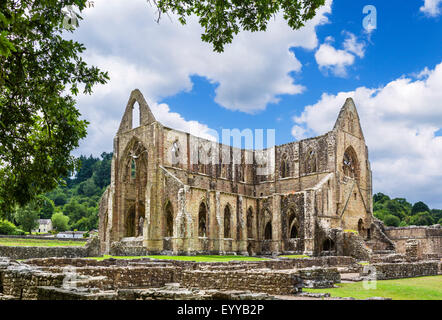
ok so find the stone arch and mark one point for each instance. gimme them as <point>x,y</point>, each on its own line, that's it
<point>227,222</point>
<point>169,219</point>
<point>293,224</point>
<point>350,163</point>
<point>266,218</point>
<point>202,220</point>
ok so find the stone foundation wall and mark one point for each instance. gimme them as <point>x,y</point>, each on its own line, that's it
<point>385,271</point>
<point>91,249</point>
<point>273,282</point>
<point>429,238</point>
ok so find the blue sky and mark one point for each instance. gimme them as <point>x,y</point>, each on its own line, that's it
<point>291,81</point>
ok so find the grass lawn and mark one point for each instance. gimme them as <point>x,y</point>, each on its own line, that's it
<point>39,242</point>
<point>188,258</point>
<point>422,288</point>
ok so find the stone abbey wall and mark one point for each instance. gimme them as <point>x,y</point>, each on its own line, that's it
<point>429,238</point>
<point>179,193</point>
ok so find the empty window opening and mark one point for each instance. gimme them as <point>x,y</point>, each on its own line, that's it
<point>268,231</point>
<point>169,220</point>
<point>202,220</point>
<point>328,245</point>
<point>136,116</point>
<point>227,233</point>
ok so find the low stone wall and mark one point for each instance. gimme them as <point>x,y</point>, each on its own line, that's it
<point>22,282</point>
<point>385,271</point>
<point>429,238</point>
<point>91,249</point>
<point>273,282</point>
<point>279,282</point>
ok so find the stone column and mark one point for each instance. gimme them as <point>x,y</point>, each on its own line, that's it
<point>309,222</point>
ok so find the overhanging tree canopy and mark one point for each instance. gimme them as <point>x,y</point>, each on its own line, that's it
<point>222,19</point>
<point>40,74</point>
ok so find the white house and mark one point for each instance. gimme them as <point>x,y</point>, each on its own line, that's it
<point>44,226</point>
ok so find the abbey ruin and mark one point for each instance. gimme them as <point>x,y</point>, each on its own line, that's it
<point>172,192</point>
<point>176,194</point>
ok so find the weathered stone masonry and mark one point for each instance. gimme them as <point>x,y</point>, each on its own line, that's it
<point>172,192</point>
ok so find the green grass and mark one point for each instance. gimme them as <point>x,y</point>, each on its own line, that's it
<point>295,256</point>
<point>187,258</point>
<point>39,242</point>
<point>422,288</point>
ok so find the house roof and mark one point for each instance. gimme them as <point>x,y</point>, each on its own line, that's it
<point>44,221</point>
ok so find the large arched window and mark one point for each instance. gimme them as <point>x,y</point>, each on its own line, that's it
<point>350,163</point>
<point>169,220</point>
<point>227,223</point>
<point>310,161</point>
<point>284,169</point>
<point>202,218</point>
<point>268,231</point>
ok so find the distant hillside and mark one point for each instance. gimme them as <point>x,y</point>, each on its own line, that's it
<point>398,212</point>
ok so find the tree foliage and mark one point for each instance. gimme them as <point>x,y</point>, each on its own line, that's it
<point>223,19</point>
<point>399,212</point>
<point>40,75</point>
<point>27,217</point>
<point>60,221</point>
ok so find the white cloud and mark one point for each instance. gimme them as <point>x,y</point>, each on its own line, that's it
<point>399,122</point>
<point>352,45</point>
<point>123,38</point>
<point>431,7</point>
<point>329,58</point>
<point>335,60</point>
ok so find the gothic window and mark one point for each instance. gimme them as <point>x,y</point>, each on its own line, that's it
<point>310,162</point>
<point>133,169</point>
<point>349,163</point>
<point>292,225</point>
<point>227,233</point>
<point>284,169</point>
<point>136,116</point>
<point>175,150</point>
<point>202,218</point>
